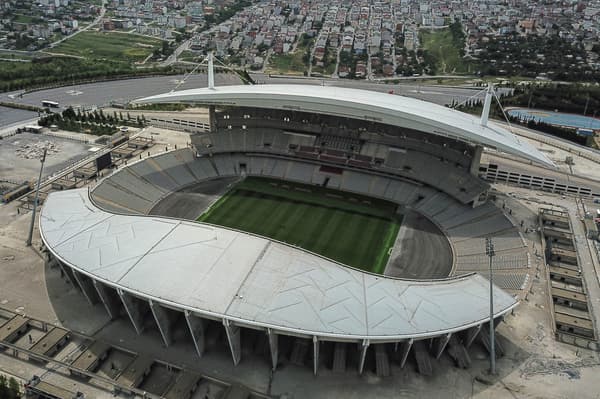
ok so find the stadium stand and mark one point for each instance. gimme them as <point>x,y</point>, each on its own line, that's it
<point>481,227</point>
<point>174,166</point>
<point>356,182</point>
<point>301,172</point>
<point>512,281</point>
<point>126,179</point>
<point>118,200</point>
<point>437,161</point>
<point>139,187</point>
<point>502,261</point>
<point>152,173</point>
<point>458,216</point>
<point>379,186</point>
<point>508,240</point>
<point>279,169</point>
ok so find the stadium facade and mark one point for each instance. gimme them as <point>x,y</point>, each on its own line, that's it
<point>157,270</point>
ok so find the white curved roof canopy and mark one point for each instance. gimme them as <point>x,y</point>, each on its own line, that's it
<point>254,281</point>
<point>361,104</point>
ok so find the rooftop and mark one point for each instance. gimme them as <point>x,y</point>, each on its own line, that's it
<point>218,272</point>
<point>361,104</point>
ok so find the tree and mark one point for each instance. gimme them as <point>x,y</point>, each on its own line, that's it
<point>69,113</point>
<point>9,388</point>
<point>14,387</point>
<point>165,48</point>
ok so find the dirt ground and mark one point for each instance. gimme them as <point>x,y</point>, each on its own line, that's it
<point>14,167</point>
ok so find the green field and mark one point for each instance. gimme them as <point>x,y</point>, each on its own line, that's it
<point>111,45</point>
<point>354,230</point>
<point>288,63</point>
<point>442,45</point>
<point>294,62</point>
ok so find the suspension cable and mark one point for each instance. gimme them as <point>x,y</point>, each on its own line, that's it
<point>503,112</point>
<point>182,81</point>
<point>473,96</point>
<point>203,63</point>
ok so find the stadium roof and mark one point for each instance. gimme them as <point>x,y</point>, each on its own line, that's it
<point>361,104</point>
<point>218,272</point>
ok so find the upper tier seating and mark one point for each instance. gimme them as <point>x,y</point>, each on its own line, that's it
<point>444,168</point>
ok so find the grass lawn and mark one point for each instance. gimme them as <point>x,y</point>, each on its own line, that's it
<point>24,19</point>
<point>111,45</point>
<point>354,230</point>
<point>288,63</point>
<point>439,43</point>
<point>188,55</point>
<point>291,63</point>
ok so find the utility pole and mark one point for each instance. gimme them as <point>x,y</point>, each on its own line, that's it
<point>489,251</point>
<point>35,201</point>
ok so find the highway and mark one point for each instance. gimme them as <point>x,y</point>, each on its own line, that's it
<point>436,94</point>
<point>10,116</point>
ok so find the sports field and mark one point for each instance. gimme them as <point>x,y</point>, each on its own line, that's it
<point>354,230</point>
<point>115,46</point>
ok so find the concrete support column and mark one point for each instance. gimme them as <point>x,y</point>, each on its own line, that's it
<point>50,261</point>
<point>133,310</point>
<point>405,350</point>
<point>474,168</point>
<point>274,347</point>
<point>69,273</point>
<point>109,300</point>
<point>471,334</point>
<point>212,118</point>
<point>163,321</point>
<point>315,354</point>
<point>196,326</point>
<point>234,338</point>
<point>87,287</point>
<point>382,361</point>
<point>339,357</point>
<point>364,345</point>
<point>440,344</point>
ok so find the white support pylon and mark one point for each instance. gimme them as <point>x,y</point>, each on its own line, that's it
<point>486,104</point>
<point>211,71</point>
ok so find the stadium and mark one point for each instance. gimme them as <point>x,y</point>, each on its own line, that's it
<point>339,228</point>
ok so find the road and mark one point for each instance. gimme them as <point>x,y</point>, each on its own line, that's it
<point>184,46</point>
<point>436,94</point>
<point>9,116</point>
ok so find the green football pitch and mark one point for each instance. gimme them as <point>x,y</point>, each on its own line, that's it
<point>354,230</point>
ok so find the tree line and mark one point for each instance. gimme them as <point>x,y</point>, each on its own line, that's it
<point>50,70</point>
<point>96,122</point>
<point>9,388</point>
